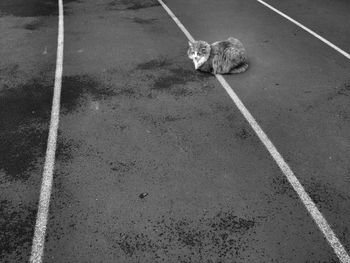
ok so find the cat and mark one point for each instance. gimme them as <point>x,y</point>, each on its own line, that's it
<point>222,57</point>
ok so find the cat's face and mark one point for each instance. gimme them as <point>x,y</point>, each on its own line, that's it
<point>199,52</point>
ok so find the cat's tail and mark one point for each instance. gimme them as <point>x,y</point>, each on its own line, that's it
<point>239,69</point>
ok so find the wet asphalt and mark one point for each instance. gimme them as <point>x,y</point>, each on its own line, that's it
<point>154,162</point>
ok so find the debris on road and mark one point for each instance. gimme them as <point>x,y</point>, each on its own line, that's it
<point>143,195</point>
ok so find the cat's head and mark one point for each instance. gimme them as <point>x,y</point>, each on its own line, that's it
<point>199,52</point>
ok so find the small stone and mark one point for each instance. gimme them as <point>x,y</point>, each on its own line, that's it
<point>143,195</point>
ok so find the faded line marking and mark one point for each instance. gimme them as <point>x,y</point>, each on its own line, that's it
<point>316,215</point>
<point>46,185</point>
<point>347,55</point>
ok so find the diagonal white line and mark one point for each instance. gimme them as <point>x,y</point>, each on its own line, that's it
<point>316,215</point>
<point>46,184</point>
<point>347,55</point>
<point>293,180</point>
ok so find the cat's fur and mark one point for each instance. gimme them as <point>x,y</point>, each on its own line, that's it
<point>222,57</point>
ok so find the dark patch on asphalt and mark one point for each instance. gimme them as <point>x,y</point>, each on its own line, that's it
<point>344,89</point>
<point>9,70</point>
<point>170,118</point>
<point>17,227</point>
<point>20,149</point>
<point>223,236</point>
<point>219,107</point>
<point>122,167</point>
<point>24,117</point>
<point>281,186</point>
<point>243,133</point>
<point>281,189</point>
<point>153,64</point>
<point>175,79</point>
<point>121,127</point>
<point>337,101</point>
<point>65,148</point>
<point>135,5</point>
<point>166,82</point>
<point>191,73</point>
<point>326,196</point>
<point>33,25</point>
<point>161,75</point>
<point>76,88</point>
<point>30,8</point>
<point>125,91</point>
<point>24,104</point>
<point>241,130</point>
<point>343,115</point>
<point>9,76</point>
<point>144,21</point>
<point>131,4</point>
<point>150,119</point>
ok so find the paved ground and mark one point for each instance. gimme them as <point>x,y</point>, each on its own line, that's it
<point>136,118</point>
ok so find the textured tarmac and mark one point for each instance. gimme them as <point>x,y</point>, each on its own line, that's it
<point>154,162</point>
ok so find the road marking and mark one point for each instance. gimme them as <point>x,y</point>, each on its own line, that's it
<point>347,55</point>
<point>286,170</point>
<point>46,184</point>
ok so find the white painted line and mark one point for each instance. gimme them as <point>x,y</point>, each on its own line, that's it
<point>286,170</point>
<point>46,185</point>
<point>293,180</point>
<point>177,21</point>
<point>347,55</point>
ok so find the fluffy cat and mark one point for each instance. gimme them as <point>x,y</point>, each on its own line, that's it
<point>222,57</point>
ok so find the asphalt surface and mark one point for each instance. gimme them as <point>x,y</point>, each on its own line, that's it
<point>154,162</point>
